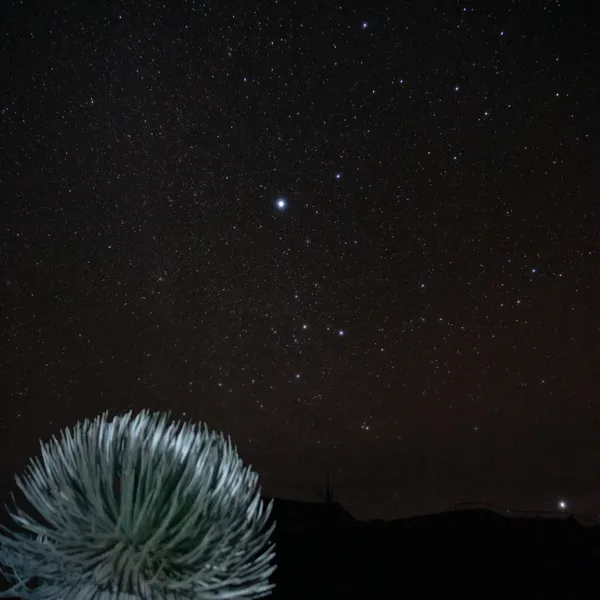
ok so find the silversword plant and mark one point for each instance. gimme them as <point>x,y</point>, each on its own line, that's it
<point>138,508</point>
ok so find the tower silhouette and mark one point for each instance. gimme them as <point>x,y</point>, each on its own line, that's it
<point>325,492</point>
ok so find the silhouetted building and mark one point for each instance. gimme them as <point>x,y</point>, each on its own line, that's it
<point>292,515</point>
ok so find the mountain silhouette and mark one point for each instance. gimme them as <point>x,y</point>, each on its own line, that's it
<point>322,552</point>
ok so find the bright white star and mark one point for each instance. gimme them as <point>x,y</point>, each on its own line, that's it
<point>281,203</point>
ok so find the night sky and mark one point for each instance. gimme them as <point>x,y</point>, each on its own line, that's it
<point>363,242</point>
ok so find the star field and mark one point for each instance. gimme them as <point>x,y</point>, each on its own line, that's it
<point>362,242</point>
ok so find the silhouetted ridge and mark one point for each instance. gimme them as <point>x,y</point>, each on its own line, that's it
<point>323,552</point>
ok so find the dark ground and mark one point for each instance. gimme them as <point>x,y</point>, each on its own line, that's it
<point>458,554</point>
<point>322,552</point>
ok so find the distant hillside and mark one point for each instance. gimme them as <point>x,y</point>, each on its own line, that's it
<point>323,552</point>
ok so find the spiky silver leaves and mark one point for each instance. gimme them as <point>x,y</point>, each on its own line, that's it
<point>139,509</point>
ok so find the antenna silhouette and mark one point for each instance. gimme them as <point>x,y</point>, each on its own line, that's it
<point>325,492</point>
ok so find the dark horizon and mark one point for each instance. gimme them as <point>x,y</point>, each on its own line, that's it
<point>358,241</point>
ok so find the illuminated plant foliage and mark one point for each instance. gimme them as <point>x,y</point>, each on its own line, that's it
<point>139,509</point>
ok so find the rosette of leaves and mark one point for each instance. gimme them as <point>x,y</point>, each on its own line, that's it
<point>138,508</point>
